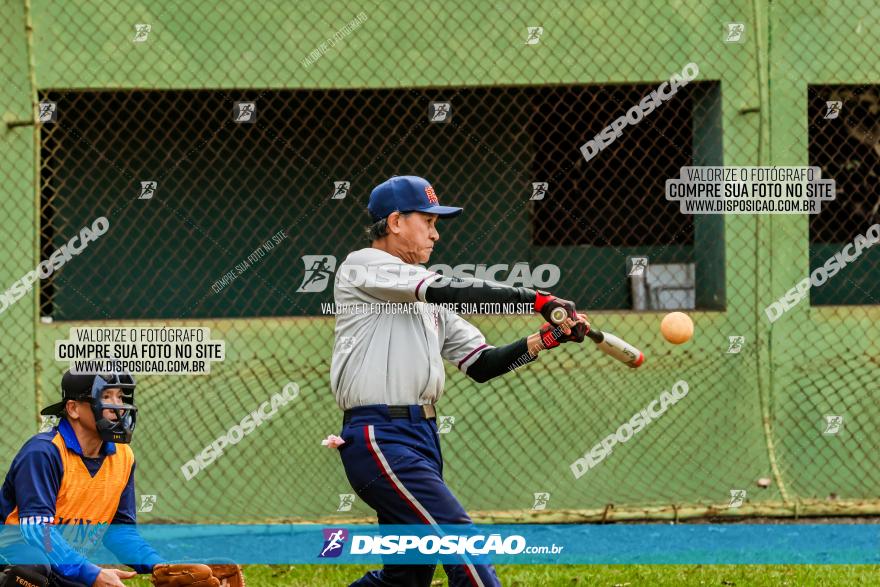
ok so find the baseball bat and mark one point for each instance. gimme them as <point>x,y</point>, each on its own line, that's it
<point>609,344</point>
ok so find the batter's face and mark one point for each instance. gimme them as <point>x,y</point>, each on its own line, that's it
<point>412,236</point>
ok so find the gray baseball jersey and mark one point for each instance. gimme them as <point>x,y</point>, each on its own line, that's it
<point>389,342</point>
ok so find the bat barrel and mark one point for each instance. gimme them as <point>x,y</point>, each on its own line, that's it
<point>617,348</point>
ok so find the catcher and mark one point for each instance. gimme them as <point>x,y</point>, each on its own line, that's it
<point>82,472</point>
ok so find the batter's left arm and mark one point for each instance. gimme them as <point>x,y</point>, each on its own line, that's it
<point>455,290</point>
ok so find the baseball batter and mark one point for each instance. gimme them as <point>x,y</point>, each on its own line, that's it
<point>387,368</point>
<point>82,473</point>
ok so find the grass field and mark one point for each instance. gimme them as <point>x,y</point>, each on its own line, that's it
<point>610,576</point>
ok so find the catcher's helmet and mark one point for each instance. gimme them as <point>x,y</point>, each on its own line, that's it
<point>90,387</point>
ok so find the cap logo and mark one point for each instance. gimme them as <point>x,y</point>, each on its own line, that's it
<point>432,197</point>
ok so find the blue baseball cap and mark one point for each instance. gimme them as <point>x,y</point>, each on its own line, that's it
<point>407,193</point>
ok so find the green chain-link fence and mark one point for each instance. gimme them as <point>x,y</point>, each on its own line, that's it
<point>146,131</point>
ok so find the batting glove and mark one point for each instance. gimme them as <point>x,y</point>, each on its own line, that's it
<point>545,303</point>
<point>552,336</point>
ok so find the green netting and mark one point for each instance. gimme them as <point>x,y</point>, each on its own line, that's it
<point>343,96</point>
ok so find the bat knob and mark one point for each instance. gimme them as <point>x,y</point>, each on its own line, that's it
<point>558,315</point>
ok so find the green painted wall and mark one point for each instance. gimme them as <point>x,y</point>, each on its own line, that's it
<point>17,233</point>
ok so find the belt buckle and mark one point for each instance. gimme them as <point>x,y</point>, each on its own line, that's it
<point>429,412</point>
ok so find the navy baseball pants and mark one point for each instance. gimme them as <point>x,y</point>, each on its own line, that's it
<point>396,467</point>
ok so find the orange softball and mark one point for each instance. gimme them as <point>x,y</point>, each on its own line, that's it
<point>677,327</point>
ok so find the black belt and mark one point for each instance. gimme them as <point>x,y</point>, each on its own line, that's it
<point>397,412</point>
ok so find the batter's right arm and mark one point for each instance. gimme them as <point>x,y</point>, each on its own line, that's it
<point>504,359</point>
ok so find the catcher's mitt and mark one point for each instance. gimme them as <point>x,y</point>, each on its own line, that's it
<point>228,575</point>
<point>184,575</point>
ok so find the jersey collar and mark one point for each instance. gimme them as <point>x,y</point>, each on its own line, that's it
<point>72,442</point>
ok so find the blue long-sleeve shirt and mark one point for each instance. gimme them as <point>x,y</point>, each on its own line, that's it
<point>46,488</point>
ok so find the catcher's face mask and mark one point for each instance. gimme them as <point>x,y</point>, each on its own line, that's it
<point>122,428</point>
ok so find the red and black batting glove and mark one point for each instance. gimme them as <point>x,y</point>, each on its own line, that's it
<point>578,331</point>
<point>552,336</point>
<point>545,303</point>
